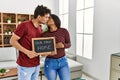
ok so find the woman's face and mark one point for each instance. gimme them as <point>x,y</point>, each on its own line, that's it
<point>50,22</point>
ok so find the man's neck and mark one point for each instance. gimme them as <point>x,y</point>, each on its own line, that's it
<point>36,23</point>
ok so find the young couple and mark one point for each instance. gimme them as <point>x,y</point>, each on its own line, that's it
<point>28,60</point>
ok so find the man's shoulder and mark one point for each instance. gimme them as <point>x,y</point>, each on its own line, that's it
<point>26,22</point>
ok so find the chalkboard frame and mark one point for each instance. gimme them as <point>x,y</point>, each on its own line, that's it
<point>45,38</point>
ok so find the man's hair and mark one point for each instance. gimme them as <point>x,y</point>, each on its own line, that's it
<point>41,10</point>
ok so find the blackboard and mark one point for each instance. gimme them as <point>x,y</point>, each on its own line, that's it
<point>44,44</point>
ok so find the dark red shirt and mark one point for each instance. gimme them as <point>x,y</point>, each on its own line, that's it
<point>26,31</point>
<point>61,35</point>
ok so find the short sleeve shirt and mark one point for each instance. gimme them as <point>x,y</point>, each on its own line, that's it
<point>26,31</point>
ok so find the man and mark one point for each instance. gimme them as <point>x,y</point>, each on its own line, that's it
<point>28,60</point>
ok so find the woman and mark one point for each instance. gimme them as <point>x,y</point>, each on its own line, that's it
<point>57,64</point>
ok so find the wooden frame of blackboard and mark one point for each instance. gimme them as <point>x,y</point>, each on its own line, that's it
<point>44,45</point>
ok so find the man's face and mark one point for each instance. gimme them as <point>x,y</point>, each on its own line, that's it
<point>44,19</point>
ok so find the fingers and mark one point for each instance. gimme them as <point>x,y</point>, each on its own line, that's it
<point>60,45</point>
<point>32,54</point>
<point>45,54</point>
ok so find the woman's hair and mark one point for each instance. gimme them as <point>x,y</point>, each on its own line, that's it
<point>41,10</point>
<point>56,20</point>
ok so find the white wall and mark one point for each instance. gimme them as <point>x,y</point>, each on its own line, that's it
<point>25,6</point>
<point>106,30</point>
<point>72,25</point>
<point>106,38</point>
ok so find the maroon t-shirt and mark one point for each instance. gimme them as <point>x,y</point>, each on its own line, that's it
<point>26,31</point>
<point>61,35</point>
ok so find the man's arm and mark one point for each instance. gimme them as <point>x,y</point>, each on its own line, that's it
<point>14,42</point>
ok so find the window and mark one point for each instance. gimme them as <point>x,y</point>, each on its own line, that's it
<point>63,12</point>
<point>84,28</point>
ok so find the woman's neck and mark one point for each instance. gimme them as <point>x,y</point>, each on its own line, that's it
<point>52,29</point>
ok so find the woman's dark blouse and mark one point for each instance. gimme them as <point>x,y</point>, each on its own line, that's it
<point>61,35</point>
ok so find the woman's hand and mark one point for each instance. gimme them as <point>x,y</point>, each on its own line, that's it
<point>59,45</point>
<point>44,54</point>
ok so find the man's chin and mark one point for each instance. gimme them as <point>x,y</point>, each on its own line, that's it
<point>42,23</point>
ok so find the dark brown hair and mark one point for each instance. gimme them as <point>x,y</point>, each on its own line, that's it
<point>56,20</point>
<point>41,10</point>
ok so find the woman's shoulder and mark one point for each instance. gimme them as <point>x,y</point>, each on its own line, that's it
<point>63,30</point>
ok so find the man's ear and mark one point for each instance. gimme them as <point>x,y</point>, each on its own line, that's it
<point>39,16</point>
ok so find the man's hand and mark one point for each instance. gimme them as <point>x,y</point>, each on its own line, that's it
<point>31,54</point>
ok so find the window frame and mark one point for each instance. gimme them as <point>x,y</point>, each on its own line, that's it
<point>84,51</point>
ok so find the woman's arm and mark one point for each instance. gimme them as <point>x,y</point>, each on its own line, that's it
<point>66,43</point>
